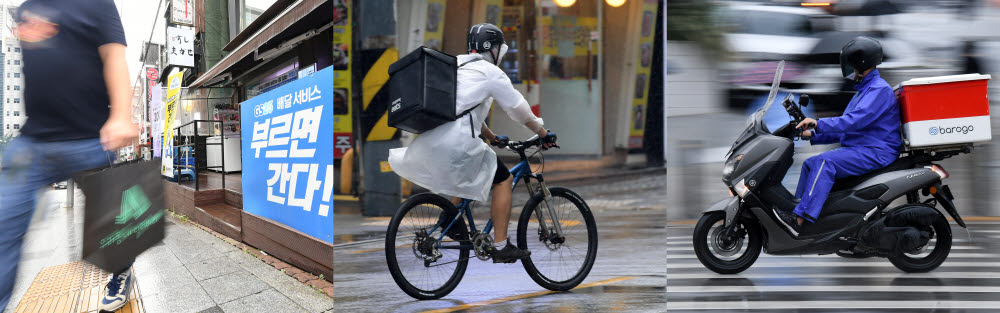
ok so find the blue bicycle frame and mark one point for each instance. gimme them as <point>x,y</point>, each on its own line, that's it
<point>521,170</point>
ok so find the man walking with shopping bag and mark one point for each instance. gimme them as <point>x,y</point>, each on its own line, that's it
<point>77,99</point>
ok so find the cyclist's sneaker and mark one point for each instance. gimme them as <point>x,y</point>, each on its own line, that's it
<point>509,254</point>
<point>790,220</point>
<point>458,231</point>
<point>117,291</point>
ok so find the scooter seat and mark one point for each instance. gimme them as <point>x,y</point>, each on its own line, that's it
<point>846,183</point>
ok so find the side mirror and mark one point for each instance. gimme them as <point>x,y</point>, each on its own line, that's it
<point>804,100</point>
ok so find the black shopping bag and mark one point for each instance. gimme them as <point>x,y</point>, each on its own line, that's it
<point>124,213</point>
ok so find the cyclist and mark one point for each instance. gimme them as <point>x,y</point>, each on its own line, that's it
<point>449,160</point>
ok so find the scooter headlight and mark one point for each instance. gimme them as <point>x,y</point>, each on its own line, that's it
<point>741,188</point>
<point>731,166</point>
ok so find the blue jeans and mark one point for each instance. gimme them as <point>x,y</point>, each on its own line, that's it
<point>28,165</point>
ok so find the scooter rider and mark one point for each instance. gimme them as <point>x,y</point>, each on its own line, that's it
<point>868,132</point>
<point>447,160</point>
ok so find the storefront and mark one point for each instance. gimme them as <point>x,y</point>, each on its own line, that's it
<point>582,65</point>
<point>272,86</point>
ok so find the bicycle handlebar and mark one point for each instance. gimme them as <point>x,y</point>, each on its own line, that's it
<point>520,146</point>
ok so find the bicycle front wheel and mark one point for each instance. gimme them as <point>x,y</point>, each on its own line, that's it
<point>419,267</point>
<point>558,263</point>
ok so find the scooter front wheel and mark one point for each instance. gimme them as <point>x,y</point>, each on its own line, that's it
<point>726,254</point>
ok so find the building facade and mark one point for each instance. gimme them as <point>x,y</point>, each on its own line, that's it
<point>12,91</point>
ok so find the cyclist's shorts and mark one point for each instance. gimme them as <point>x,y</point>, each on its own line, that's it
<point>502,172</point>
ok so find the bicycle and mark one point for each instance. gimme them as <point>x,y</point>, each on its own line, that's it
<point>437,241</point>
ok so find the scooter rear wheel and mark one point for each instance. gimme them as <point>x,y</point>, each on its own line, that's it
<point>939,247</point>
<point>726,256</point>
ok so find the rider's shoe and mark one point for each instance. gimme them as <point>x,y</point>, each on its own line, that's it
<point>509,254</point>
<point>458,231</point>
<point>790,220</point>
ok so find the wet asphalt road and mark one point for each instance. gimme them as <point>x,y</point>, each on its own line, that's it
<point>628,273</point>
<point>968,281</point>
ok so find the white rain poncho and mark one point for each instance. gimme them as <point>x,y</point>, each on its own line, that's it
<point>450,159</point>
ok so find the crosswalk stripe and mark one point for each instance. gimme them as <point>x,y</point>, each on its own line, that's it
<point>688,241</point>
<point>690,249</point>
<point>756,289</point>
<point>965,275</point>
<point>834,257</point>
<point>880,304</point>
<point>836,264</point>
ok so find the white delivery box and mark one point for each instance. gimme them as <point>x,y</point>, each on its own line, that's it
<point>944,110</point>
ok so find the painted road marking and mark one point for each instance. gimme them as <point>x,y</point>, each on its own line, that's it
<point>963,275</point>
<point>691,249</point>
<point>525,296</point>
<point>840,304</point>
<point>838,264</point>
<point>835,257</point>
<point>860,288</point>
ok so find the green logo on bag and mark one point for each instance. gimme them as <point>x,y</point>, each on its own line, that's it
<point>134,205</point>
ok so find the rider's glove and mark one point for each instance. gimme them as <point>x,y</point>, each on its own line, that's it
<point>500,141</point>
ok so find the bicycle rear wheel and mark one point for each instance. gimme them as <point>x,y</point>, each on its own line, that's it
<point>558,264</point>
<point>418,267</point>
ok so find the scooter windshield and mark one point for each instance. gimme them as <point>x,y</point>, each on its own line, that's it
<point>758,117</point>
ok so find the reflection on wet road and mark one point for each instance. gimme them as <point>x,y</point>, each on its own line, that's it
<point>627,275</point>
<point>968,281</point>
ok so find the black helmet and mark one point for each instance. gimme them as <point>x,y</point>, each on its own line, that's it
<point>861,54</point>
<point>484,37</point>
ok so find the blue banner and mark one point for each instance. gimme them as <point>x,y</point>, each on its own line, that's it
<point>288,154</point>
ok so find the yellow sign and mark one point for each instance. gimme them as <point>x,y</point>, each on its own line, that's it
<point>173,95</point>
<point>385,166</point>
<point>637,121</point>
<point>342,120</point>
<point>434,33</point>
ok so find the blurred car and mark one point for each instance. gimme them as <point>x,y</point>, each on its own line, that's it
<point>760,35</point>
<point>59,185</point>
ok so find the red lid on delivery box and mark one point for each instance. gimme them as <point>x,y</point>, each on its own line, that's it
<point>943,97</point>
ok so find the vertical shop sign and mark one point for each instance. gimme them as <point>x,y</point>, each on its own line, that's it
<point>182,12</point>
<point>173,94</point>
<point>434,33</point>
<point>156,117</point>
<point>180,46</point>
<point>288,161</point>
<point>342,122</point>
<point>641,93</point>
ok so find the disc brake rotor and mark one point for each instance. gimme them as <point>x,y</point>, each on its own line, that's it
<point>720,245</point>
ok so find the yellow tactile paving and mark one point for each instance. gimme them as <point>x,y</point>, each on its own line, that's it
<point>71,287</point>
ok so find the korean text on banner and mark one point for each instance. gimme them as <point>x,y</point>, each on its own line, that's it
<point>637,122</point>
<point>173,95</point>
<point>342,123</point>
<point>287,155</point>
<point>156,117</point>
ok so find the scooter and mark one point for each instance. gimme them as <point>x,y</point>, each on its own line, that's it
<point>856,220</point>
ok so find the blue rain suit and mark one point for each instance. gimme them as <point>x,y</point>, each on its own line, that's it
<point>869,136</point>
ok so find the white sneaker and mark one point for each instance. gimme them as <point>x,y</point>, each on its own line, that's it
<point>117,291</point>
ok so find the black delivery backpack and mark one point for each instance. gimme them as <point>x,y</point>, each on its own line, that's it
<point>422,86</point>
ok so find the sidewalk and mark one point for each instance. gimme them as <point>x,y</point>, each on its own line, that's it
<point>192,270</point>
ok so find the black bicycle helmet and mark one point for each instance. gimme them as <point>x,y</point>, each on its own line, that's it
<point>861,54</point>
<point>484,38</point>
